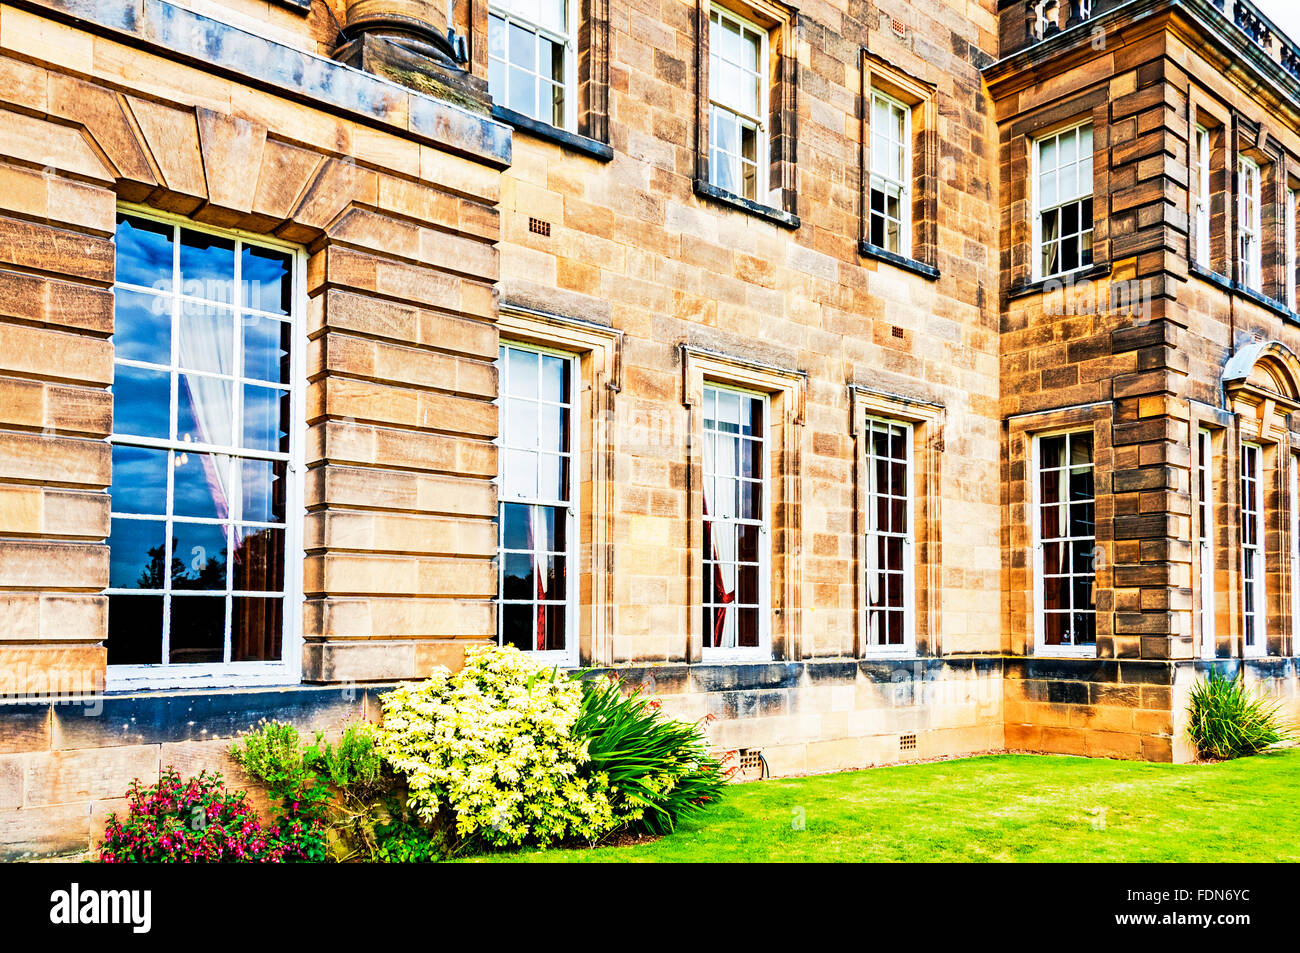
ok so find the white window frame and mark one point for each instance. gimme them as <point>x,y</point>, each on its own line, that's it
<point>1254,633</point>
<point>763,651</point>
<point>1250,224</point>
<point>1295,549</point>
<point>908,648</point>
<point>1203,210</point>
<point>1041,648</point>
<point>1205,538</point>
<point>501,8</point>
<point>762,150</point>
<point>1037,209</point>
<point>905,185</point>
<point>288,670</point>
<point>1289,254</point>
<point>567,657</point>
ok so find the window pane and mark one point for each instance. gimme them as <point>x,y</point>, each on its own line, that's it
<point>205,409</point>
<point>523,47</point>
<point>725,171</point>
<point>517,625</point>
<point>520,478</point>
<point>554,581</point>
<point>139,480</point>
<point>725,133</point>
<point>263,490</point>
<point>198,629</point>
<point>555,378</point>
<point>142,327</point>
<point>554,624</point>
<point>747,631</point>
<point>202,485</point>
<point>207,266</point>
<point>1056,628</point>
<point>264,409</point>
<point>266,278</point>
<point>551,59</point>
<point>557,106</point>
<point>141,398</point>
<point>207,338</point>
<point>519,580</point>
<point>137,554</point>
<point>266,349</point>
<point>522,372</point>
<point>523,92</point>
<point>256,627</point>
<point>514,526</point>
<point>259,560</point>
<point>1050,450</point>
<point>553,477</point>
<point>198,556</point>
<point>135,626</point>
<point>145,252</point>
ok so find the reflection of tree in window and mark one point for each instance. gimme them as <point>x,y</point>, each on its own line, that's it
<point>209,574</point>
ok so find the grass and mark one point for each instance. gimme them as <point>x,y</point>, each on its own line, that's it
<point>996,808</point>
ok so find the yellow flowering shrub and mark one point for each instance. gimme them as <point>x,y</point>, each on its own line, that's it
<point>493,744</point>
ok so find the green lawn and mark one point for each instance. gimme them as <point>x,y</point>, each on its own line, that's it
<point>999,808</point>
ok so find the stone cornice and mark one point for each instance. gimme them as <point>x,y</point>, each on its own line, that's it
<point>1198,20</point>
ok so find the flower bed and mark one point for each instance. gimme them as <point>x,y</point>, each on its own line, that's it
<point>500,754</point>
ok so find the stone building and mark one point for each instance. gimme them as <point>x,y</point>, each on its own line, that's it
<point>885,380</point>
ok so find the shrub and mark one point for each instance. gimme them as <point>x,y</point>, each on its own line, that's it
<point>401,838</point>
<point>493,744</point>
<point>192,821</point>
<point>658,769</point>
<point>274,754</point>
<point>1227,721</point>
<point>333,797</point>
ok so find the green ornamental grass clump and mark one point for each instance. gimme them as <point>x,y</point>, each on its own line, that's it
<point>658,768</point>
<point>1229,721</point>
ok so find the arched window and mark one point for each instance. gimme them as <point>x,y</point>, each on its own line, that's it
<point>1262,384</point>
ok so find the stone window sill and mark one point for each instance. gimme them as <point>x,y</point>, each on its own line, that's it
<point>775,215</point>
<point>1089,273</point>
<point>562,137</point>
<point>1250,294</point>
<point>868,250</point>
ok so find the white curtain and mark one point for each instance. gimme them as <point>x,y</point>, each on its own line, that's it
<point>537,543</point>
<point>720,458</point>
<point>211,399</point>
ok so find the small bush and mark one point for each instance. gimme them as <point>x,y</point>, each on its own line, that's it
<point>336,800</point>
<point>1227,721</point>
<point>493,744</point>
<point>274,754</point>
<point>192,821</point>
<point>658,769</point>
